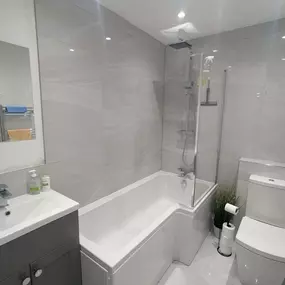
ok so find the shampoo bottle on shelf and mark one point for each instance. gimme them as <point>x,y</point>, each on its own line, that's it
<point>34,183</point>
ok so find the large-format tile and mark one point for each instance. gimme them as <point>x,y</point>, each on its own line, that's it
<point>177,64</point>
<point>206,165</point>
<point>241,192</point>
<point>228,168</point>
<point>102,100</point>
<point>174,135</point>
<point>208,268</point>
<point>79,180</point>
<point>60,19</point>
<point>172,159</point>
<point>59,64</point>
<point>17,180</point>
<point>180,108</point>
<point>253,113</point>
<point>71,132</point>
<point>209,129</point>
<point>175,99</point>
<point>86,96</point>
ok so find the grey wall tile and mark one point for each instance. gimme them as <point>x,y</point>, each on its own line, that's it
<point>176,107</point>
<point>102,102</point>
<point>252,122</point>
<point>176,102</point>
<point>17,180</point>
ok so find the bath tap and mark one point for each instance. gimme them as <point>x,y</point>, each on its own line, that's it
<point>183,173</point>
<point>4,195</point>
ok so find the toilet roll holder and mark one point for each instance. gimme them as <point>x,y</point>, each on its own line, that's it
<point>227,235</point>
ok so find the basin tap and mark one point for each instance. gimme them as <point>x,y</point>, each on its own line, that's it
<point>4,195</point>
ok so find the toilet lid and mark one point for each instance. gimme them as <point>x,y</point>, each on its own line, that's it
<point>262,239</point>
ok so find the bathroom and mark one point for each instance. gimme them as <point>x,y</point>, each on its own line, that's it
<point>136,114</point>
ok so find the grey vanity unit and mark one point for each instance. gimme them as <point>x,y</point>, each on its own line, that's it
<point>49,255</point>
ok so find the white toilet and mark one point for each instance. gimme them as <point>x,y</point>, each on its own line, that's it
<point>260,241</point>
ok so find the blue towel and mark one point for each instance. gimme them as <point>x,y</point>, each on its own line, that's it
<point>16,109</point>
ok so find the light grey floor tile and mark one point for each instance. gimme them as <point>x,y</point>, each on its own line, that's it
<point>208,268</point>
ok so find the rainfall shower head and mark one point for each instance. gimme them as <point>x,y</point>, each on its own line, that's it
<point>181,45</point>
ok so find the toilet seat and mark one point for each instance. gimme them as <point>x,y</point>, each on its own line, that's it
<point>263,239</point>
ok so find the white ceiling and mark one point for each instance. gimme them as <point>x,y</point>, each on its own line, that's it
<point>208,16</point>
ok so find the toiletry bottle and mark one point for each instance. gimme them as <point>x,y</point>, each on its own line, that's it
<point>34,183</point>
<point>45,183</point>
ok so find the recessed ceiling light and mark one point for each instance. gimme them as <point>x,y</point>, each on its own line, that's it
<point>71,49</point>
<point>283,37</point>
<point>215,50</point>
<point>108,38</point>
<point>181,15</point>
<point>283,58</point>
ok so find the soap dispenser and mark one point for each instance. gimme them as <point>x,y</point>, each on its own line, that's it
<point>34,183</point>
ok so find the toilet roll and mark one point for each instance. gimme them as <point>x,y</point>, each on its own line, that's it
<point>232,209</point>
<point>227,239</point>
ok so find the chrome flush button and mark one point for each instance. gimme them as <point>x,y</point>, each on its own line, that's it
<point>38,273</point>
<point>26,281</point>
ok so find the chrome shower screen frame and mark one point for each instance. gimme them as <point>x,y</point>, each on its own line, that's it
<point>199,82</point>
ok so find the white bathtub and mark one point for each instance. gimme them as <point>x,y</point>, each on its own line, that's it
<point>132,236</point>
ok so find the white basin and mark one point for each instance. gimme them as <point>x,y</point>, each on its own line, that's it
<point>29,212</point>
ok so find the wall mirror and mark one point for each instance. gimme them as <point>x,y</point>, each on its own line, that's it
<point>21,130</point>
<point>16,94</point>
